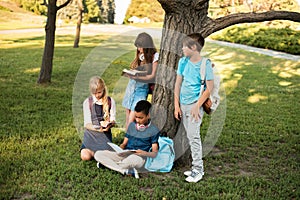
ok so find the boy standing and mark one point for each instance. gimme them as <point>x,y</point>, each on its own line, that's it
<point>141,136</point>
<point>188,100</point>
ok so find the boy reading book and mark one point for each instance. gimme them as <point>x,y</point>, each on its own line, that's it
<point>141,136</point>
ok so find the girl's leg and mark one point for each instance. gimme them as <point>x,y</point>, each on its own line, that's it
<point>131,117</point>
<point>127,118</point>
<point>86,154</point>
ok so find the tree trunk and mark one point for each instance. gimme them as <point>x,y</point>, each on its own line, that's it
<point>79,21</point>
<point>46,68</point>
<point>184,17</point>
<point>47,62</point>
<point>176,26</point>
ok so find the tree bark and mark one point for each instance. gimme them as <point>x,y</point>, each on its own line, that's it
<point>79,21</point>
<point>179,21</point>
<point>47,61</point>
<point>183,17</point>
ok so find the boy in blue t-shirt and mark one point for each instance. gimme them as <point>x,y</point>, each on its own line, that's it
<point>188,100</point>
<point>141,136</point>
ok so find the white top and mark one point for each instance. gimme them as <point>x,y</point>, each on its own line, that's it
<point>155,59</point>
<point>87,116</point>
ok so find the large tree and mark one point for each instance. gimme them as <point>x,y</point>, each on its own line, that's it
<point>46,68</point>
<point>185,17</point>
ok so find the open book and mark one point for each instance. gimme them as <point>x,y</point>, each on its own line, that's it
<point>105,124</point>
<point>134,72</point>
<point>120,151</point>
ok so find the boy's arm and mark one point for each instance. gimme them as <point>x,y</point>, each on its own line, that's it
<point>206,93</point>
<point>124,143</point>
<point>152,154</point>
<point>177,111</point>
<point>196,109</point>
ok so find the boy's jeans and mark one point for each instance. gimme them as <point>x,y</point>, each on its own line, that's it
<point>192,128</point>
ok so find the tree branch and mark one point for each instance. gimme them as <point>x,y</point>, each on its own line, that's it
<point>64,4</point>
<point>44,3</point>
<point>229,20</point>
<point>80,5</point>
<point>198,4</point>
<point>171,6</point>
<point>167,5</point>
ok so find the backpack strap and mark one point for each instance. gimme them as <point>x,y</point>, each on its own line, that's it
<point>91,102</point>
<point>203,70</point>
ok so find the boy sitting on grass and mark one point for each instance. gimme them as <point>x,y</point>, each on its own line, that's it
<point>141,136</point>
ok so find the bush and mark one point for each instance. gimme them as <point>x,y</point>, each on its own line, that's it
<point>284,39</point>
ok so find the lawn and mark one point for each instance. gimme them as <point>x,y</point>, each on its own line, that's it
<point>255,157</point>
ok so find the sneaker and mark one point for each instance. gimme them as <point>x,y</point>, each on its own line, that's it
<point>189,173</point>
<point>133,172</point>
<point>99,165</point>
<point>195,176</point>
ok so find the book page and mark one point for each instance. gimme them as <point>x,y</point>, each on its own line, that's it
<point>135,72</point>
<point>121,151</point>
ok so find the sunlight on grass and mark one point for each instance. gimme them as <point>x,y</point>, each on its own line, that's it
<point>33,70</point>
<point>285,75</point>
<point>256,98</point>
<point>287,70</point>
<point>285,83</point>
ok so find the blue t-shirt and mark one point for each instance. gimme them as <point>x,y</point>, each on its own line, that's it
<point>191,79</point>
<point>141,139</point>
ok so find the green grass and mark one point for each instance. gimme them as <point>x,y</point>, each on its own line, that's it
<point>256,156</point>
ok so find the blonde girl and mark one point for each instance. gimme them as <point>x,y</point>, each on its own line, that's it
<point>99,111</point>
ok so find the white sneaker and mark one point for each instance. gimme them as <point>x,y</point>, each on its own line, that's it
<point>132,172</point>
<point>136,174</point>
<point>189,173</point>
<point>194,177</point>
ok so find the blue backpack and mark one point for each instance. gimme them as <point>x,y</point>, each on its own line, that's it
<point>163,162</point>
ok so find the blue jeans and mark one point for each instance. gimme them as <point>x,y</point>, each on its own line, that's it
<point>192,128</point>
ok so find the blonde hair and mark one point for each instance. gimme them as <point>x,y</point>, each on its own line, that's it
<point>97,83</point>
<point>145,41</point>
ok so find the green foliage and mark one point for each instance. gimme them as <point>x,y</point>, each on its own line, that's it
<point>284,39</point>
<point>92,14</point>
<point>145,8</point>
<point>220,8</point>
<point>256,156</point>
<point>33,6</point>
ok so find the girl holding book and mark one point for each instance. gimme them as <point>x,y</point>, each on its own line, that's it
<point>146,59</point>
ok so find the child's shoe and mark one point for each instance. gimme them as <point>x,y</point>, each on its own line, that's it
<point>195,176</point>
<point>133,172</point>
<point>189,173</point>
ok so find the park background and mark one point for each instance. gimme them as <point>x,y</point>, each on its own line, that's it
<point>256,156</point>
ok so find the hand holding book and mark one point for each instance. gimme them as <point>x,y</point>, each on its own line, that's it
<point>121,151</point>
<point>133,72</point>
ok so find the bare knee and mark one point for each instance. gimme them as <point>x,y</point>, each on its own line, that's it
<point>86,154</point>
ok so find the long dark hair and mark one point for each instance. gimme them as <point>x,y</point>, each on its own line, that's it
<point>145,41</point>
